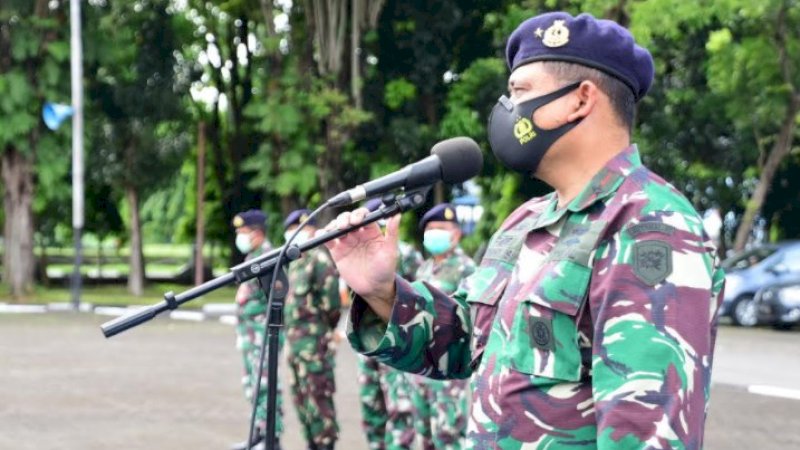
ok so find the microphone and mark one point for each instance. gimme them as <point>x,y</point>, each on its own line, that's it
<point>453,160</point>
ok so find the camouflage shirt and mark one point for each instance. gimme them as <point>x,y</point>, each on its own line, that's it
<point>587,326</point>
<point>250,299</point>
<point>409,260</point>
<point>313,305</point>
<point>448,273</point>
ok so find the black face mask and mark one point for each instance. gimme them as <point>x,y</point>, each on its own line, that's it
<point>516,140</point>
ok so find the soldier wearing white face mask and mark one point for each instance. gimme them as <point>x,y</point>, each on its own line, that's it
<point>440,406</point>
<point>251,305</point>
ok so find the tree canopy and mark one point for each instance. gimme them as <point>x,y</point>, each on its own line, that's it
<point>302,99</point>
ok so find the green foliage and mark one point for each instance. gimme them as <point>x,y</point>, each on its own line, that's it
<point>398,92</point>
<point>477,87</point>
<point>31,73</point>
<point>139,139</point>
<point>430,71</point>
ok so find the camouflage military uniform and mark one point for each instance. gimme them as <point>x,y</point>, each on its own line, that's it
<point>311,314</point>
<point>440,406</point>
<point>385,392</point>
<point>251,306</point>
<point>587,326</point>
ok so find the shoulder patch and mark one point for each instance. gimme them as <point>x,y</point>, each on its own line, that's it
<point>652,261</point>
<point>651,227</point>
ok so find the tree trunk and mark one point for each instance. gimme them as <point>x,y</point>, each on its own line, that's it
<point>18,258</point>
<point>136,274</point>
<point>200,233</point>
<point>330,167</point>
<point>100,257</point>
<point>357,11</point>
<point>779,152</point>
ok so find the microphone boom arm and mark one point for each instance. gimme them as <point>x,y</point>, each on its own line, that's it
<point>261,265</point>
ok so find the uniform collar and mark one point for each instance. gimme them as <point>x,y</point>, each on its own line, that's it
<point>603,184</point>
<point>608,179</point>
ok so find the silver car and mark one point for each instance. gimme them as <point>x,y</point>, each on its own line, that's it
<point>752,270</point>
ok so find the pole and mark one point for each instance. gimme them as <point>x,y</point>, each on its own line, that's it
<point>199,240</point>
<point>76,72</point>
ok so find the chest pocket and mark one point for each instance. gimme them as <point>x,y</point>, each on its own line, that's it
<point>545,340</point>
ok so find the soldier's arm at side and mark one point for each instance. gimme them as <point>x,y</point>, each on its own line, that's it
<point>328,278</point>
<point>654,298</point>
<point>407,342</point>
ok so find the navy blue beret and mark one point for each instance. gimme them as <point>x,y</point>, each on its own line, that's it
<point>601,44</point>
<point>443,212</point>
<point>251,217</point>
<point>297,217</point>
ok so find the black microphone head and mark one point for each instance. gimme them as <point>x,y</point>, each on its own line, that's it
<point>461,159</point>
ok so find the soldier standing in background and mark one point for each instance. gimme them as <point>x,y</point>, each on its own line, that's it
<point>251,306</point>
<point>311,314</point>
<point>440,406</point>
<point>385,392</point>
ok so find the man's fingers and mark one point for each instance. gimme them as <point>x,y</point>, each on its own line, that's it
<point>357,216</point>
<point>343,220</point>
<point>392,229</point>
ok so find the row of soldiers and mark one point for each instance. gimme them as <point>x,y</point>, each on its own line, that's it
<point>397,408</point>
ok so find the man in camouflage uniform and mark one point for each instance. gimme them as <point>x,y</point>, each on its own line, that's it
<point>591,320</point>
<point>440,406</point>
<point>251,306</point>
<point>385,392</point>
<point>311,314</point>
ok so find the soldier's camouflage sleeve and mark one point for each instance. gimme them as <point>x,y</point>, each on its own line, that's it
<point>653,300</point>
<point>327,279</point>
<point>428,332</point>
<point>409,261</point>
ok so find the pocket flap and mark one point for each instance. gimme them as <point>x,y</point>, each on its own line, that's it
<point>563,288</point>
<point>485,286</point>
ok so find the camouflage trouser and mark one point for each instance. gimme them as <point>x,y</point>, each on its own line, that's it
<point>312,363</point>
<point>440,412</point>
<point>385,406</point>
<point>249,336</point>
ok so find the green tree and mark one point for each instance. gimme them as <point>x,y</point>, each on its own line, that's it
<point>33,64</point>
<point>755,64</point>
<point>135,81</point>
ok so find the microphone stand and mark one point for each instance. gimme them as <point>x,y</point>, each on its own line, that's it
<point>262,268</point>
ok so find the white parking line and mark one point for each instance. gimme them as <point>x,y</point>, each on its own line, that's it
<point>22,309</point>
<point>228,320</point>
<point>773,391</point>
<point>111,310</point>
<point>194,316</point>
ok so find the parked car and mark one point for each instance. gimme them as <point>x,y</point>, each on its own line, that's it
<point>779,305</point>
<point>752,270</point>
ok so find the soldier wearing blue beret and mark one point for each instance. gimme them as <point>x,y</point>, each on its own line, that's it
<point>312,312</point>
<point>250,227</point>
<point>385,392</point>
<point>591,320</point>
<point>440,406</point>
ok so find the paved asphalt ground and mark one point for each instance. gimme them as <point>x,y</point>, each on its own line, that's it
<point>175,385</point>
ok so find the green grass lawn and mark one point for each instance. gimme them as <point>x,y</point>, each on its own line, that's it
<point>118,295</point>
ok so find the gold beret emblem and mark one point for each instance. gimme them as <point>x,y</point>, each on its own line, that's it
<point>238,221</point>
<point>557,35</point>
<point>448,214</point>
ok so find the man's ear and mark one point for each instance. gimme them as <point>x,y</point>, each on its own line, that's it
<point>585,100</point>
